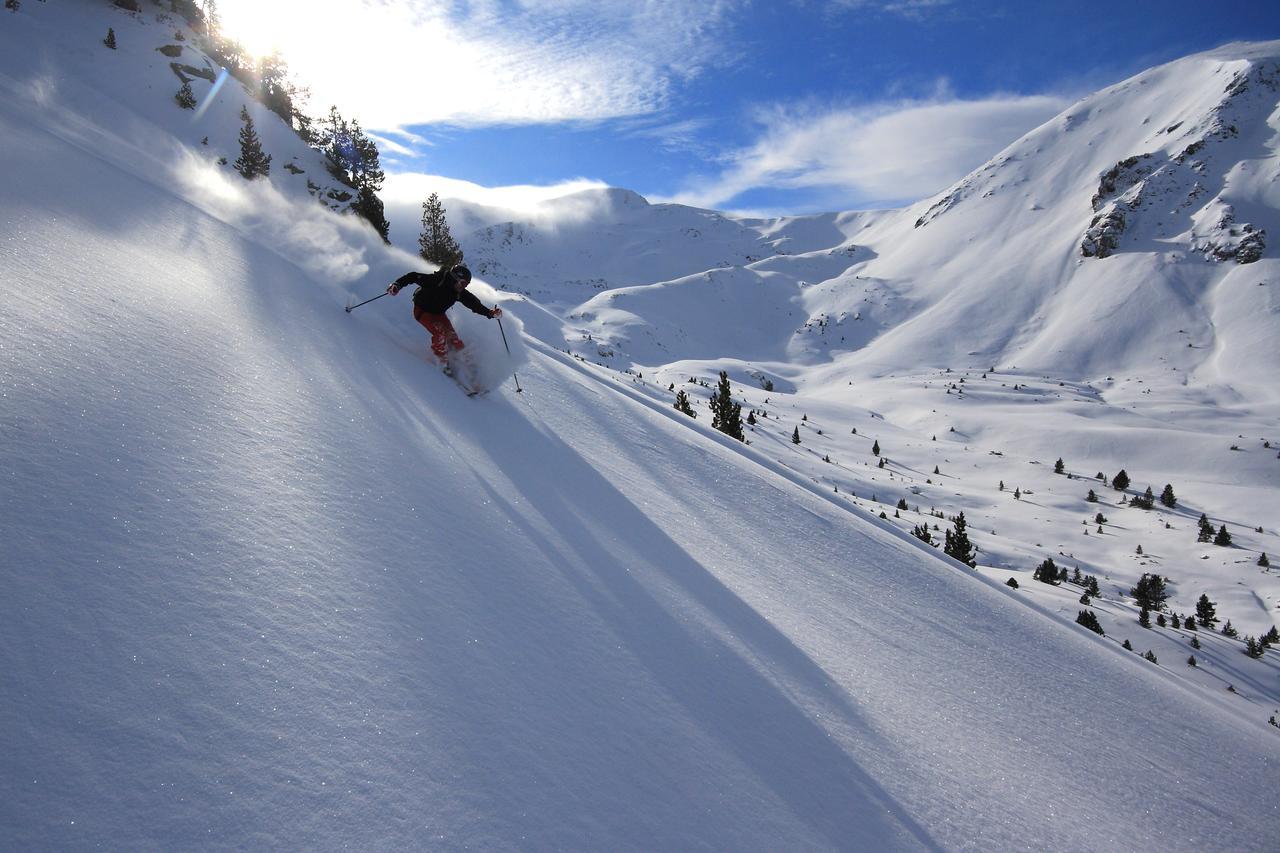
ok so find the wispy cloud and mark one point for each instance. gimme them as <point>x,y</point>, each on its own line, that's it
<point>880,153</point>
<point>683,135</point>
<point>915,9</point>
<point>494,61</point>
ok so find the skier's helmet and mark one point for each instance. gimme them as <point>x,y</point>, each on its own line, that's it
<point>461,274</point>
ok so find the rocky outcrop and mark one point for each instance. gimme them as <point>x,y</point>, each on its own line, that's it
<point>1121,177</point>
<point>1227,240</point>
<point>1103,234</point>
<point>1174,194</point>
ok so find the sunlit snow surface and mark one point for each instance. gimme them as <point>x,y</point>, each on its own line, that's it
<point>270,581</point>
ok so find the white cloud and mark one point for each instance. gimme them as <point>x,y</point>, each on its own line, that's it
<point>894,152</point>
<point>414,187</point>
<point>549,205</point>
<point>395,63</point>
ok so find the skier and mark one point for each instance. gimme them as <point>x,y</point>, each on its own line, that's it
<point>436,293</point>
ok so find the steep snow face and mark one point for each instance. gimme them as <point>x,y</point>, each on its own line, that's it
<point>1084,247</point>
<point>272,582</point>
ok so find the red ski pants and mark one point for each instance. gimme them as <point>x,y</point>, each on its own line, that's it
<point>443,336</point>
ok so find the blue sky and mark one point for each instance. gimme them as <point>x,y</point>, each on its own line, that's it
<point>786,106</point>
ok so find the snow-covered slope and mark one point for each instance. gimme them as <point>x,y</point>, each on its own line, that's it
<point>1100,291</point>
<point>272,582</point>
<point>1106,240</point>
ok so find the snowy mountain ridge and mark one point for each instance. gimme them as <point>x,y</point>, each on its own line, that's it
<point>1163,168</point>
<point>272,582</point>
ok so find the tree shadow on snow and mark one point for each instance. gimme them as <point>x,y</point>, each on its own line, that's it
<point>740,697</point>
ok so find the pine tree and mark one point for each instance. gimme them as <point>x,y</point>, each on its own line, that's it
<point>751,418</point>
<point>335,142</point>
<point>1189,623</point>
<point>902,503</point>
<point>1091,584</point>
<point>1059,467</point>
<point>1191,661</point>
<point>1120,481</point>
<point>1150,592</point>
<point>1012,583</point>
<point>1229,630</point>
<point>185,97</point>
<point>368,176</point>
<point>253,163</point>
<point>277,94</point>
<point>110,40</point>
<point>682,404</point>
<point>1128,645</point>
<point>1263,561</point>
<point>12,5</point>
<point>726,415</point>
<point>436,243</point>
<point>1253,648</point>
<point>1151,656</point>
<point>1017,494</point>
<point>1144,618</point>
<point>1206,529</point>
<point>795,436</point>
<point>1223,538</point>
<point>1046,572</point>
<point>957,544</point>
<point>1092,497</point>
<point>1206,612</point>
<point>1089,619</point>
<point>212,21</point>
<point>921,532</point>
<point>1167,497</point>
<point>875,447</point>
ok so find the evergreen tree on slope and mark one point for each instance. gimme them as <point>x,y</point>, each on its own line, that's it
<point>956,543</point>
<point>726,415</point>
<point>436,244</point>
<point>253,163</point>
<point>367,175</point>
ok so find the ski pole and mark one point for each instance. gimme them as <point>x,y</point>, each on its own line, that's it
<point>351,308</point>
<point>519,390</point>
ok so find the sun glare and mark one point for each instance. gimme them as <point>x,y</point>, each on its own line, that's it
<point>266,28</point>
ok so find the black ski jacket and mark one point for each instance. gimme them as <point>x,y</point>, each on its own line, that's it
<point>436,295</point>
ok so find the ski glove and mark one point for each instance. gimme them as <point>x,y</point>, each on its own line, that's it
<point>392,289</point>
<point>495,313</point>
